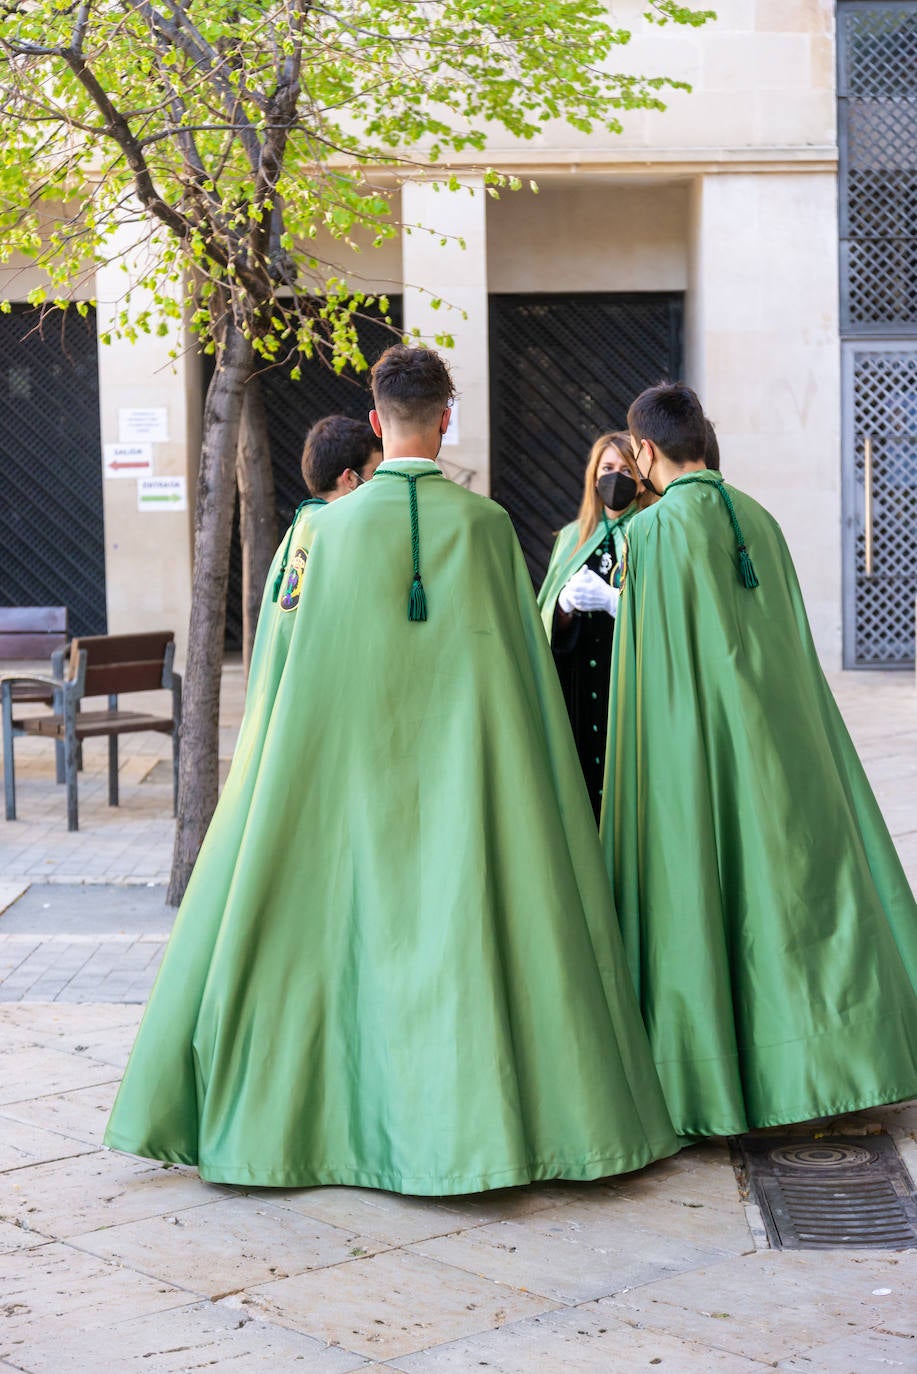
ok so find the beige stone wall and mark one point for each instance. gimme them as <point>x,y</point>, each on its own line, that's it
<point>583,236</point>
<point>763,83</point>
<point>148,554</point>
<point>763,351</point>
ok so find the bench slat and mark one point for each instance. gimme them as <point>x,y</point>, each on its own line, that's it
<point>108,649</point>
<point>113,678</point>
<point>92,723</point>
<point>23,646</point>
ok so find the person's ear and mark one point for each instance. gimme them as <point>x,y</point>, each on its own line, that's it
<point>376,423</point>
<point>444,420</point>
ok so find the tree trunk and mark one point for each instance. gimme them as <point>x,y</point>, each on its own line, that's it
<point>198,771</point>
<point>257,514</point>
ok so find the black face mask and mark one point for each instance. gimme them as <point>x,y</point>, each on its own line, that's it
<point>616,490</point>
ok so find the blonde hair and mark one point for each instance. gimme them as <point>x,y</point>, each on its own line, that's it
<point>591,506</point>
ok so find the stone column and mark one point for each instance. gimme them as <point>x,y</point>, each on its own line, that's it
<point>148,553</point>
<point>763,351</point>
<point>457,276</point>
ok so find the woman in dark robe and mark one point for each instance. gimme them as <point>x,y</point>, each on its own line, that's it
<point>579,598</point>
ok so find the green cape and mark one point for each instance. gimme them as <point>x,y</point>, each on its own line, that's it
<point>276,620</point>
<point>769,926</point>
<point>269,656</point>
<point>566,559</point>
<point>405,971</point>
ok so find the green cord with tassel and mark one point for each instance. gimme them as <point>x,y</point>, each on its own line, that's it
<point>417,598</point>
<point>746,567</point>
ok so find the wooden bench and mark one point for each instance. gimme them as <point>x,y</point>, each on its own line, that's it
<point>99,665</point>
<point>35,632</point>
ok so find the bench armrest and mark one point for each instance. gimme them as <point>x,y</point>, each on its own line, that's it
<point>70,688</point>
<point>33,679</point>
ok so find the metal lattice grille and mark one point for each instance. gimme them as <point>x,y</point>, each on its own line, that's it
<point>292,408</point>
<point>51,530</point>
<point>884,500</point>
<point>878,137</point>
<point>563,369</point>
<point>831,1192</point>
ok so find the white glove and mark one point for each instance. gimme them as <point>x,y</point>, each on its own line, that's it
<point>586,591</point>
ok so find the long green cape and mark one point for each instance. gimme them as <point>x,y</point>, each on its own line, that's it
<point>768,923</point>
<point>402,968</point>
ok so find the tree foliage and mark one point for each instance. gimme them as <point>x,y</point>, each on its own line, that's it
<point>238,134</point>
<point>237,141</point>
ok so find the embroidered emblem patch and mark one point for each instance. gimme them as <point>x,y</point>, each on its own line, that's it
<point>292,585</point>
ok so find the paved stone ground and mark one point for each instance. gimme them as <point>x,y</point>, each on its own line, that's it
<point>82,942</point>
<point>122,1266</point>
<point>128,844</point>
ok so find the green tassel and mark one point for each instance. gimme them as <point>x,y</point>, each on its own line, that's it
<point>417,601</point>
<point>747,569</point>
<point>746,566</point>
<point>278,582</point>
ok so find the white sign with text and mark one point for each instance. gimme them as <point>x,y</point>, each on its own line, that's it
<point>128,460</point>
<point>162,493</point>
<point>138,425</point>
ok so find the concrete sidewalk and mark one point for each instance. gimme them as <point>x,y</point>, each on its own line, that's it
<point>123,1266</point>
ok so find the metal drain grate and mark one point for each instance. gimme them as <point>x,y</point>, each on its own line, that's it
<point>831,1193</point>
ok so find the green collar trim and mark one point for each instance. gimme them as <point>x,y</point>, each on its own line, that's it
<point>627,514</point>
<point>278,580</point>
<point>705,476</point>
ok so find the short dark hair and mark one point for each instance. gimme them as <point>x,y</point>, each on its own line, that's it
<point>712,451</point>
<point>333,445</point>
<point>672,418</point>
<point>411,384</point>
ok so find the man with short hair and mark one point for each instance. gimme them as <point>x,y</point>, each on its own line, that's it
<point>339,455</point>
<point>413,978</point>
<point>770,929</point>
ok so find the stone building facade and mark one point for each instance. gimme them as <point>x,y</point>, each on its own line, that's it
<point>704,240</point>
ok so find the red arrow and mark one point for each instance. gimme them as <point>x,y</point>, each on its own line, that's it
<point>116,466</point>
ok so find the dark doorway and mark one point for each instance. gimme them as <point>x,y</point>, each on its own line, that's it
<point>51,527</point>
<point>563,369</point>
<point>292,408</point>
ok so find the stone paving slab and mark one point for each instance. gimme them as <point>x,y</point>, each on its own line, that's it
<point>206,1336</point>
<point>588,1340</point>
<point>392,1304</point>
<point>878,1351</point>
<point>54,1290</point>
<point>572,1253</point>
<point>770,1306</point>
<point>78,1115</point>
<point>223,1247</point>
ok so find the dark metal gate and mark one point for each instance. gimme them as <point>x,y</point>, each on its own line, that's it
<point>563,369</point>
<point>877,131</point>
<point>52,550</point>
<point>292,408</point>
